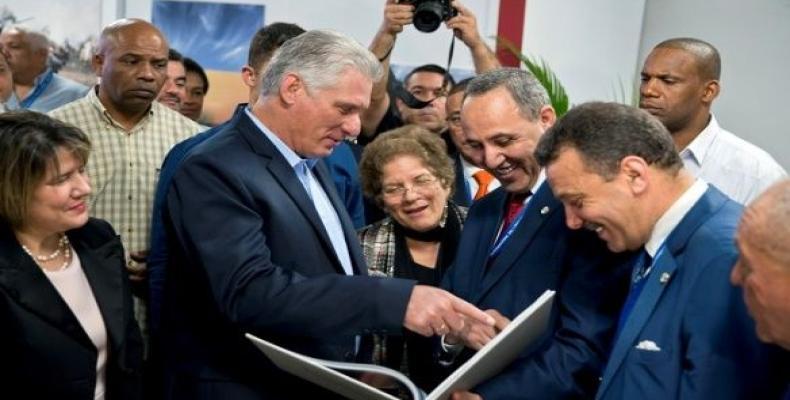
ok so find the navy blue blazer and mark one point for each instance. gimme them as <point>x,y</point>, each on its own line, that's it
<point>543,253</point>
<point>689,335</point>
<point>250,254</point>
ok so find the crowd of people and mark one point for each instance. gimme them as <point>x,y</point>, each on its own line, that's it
<point>139,245</point>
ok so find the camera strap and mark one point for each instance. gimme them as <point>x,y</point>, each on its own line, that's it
<point>446,80</point>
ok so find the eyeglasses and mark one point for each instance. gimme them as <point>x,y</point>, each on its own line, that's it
<point>420,184</point>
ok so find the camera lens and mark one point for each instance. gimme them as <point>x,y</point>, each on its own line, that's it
<point>428,16</point>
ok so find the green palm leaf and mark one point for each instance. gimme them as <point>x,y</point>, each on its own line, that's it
<point>540,69</point>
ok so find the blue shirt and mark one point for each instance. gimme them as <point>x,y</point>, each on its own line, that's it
<point>57,91</point>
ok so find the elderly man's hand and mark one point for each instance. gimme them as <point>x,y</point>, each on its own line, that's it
<point>433,311</point>
<point>465,26</point>
<point>396,16</point>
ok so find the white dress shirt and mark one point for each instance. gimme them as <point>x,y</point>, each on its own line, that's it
<point>736,167</point>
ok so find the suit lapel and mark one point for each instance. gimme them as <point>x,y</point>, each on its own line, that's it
<point>538,210</point>
<point>286,176</point>
<point>664,267</point>
<point>32,289</point>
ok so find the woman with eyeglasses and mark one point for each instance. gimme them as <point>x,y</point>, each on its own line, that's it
<point>66,324</point>
<point>407,173</point>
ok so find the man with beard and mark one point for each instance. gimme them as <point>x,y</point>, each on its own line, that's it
<point>130,133</point>
<point>680,81</point>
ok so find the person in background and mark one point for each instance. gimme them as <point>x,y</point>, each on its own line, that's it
<point>407,172</point>
<point>683,330</point>
<point>36,86</point>
<point>131,133</point>
<point>472,180</point>
<point>173,91</point>
<point>68,328</point>
<point>426,82</point>
<point>196,88</point>
<point>680,81</point>
<point>6,82</point>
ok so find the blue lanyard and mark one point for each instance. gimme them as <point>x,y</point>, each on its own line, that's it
<point>40,88</point>
<point>500,242</point>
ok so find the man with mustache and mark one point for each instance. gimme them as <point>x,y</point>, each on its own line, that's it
<point>174,90</point>
<point>680,81</point>
<point>683,331</point>
<point>515,245</point>
<point>130,132</point>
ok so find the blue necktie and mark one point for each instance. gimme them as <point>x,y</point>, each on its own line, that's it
<point>641,270</point>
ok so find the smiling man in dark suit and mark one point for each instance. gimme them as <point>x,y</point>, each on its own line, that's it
<point>515,245</point>
<point>683,332</point>
<point>262,244</point>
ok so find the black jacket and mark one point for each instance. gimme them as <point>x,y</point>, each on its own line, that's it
<point>45,352</point>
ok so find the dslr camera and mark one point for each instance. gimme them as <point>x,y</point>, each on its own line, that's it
<point>429,14</point>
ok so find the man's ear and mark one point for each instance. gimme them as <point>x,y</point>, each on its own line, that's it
<point>400,105</point>
<point>291,88</point>
<point>97,62</point>
<point>710,92</point>
<point>547,116</point>
<point>635,170</point>
<point>248,76</point>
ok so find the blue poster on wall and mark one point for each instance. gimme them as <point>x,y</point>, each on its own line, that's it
<point>217,35</point>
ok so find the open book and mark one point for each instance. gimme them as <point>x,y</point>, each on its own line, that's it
<point>527,327</point>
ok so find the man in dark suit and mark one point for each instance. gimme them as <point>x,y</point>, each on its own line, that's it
<point>262,244</point>
<point>515,245</point>
<point>683,332</point>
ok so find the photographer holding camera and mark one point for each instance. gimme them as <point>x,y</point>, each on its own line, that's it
<point>425,83</point>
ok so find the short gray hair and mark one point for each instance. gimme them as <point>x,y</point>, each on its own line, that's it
<point>318,57</point>
<point>526,91</point>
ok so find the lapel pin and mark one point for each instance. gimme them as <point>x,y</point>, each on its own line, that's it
<point>664,278</point>
<point>544,210</point>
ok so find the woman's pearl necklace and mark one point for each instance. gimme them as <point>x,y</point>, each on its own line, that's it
<point>63,246</point>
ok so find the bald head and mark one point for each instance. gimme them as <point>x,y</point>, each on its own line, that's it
<point>131,60</point>
<point>26,51</point>
<point>705,55</point>
<point>121,30</point>
<point>767,222</point>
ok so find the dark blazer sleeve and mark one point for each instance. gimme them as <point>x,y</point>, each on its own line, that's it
<point>222,215</point>
<point>588,302</point>
<point>722,352</point>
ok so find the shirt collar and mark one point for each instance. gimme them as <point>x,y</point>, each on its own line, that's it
<point>95,101</point>
<point>291,157</point>
<point>672,217</point>
<point>698,149</point>
<point>41,76</point>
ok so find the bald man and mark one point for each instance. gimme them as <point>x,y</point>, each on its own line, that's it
<point>36,86</point>
<point>131,133</point>
<point>680,81</point>
<point>763,268</point>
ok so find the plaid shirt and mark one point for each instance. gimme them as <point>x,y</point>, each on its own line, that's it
<point>124,165</point>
